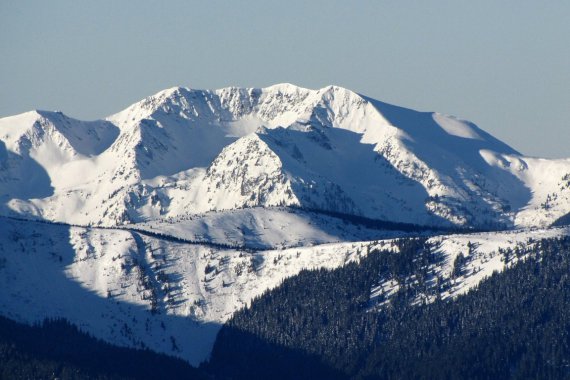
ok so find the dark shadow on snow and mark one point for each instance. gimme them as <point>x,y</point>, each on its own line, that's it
<point>343,175</point>
<point>21,177</point>
<point>135,326</point>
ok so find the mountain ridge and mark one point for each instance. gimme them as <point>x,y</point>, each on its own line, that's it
<point>330,149</point>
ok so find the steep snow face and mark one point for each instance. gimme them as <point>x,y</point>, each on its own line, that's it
<point>246,173</point>
<point>185,151</point>
<point>43,152</point>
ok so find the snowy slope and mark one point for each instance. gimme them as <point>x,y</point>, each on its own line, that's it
<point>41,152</point>
<point>267,228</point>
<point>139,291</point>
<point>184,151</point>
<point>483,253</point>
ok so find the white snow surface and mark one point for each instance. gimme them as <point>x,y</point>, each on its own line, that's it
<point>183,152</point>
<point>265,228</point>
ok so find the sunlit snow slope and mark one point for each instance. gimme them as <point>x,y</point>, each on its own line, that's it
<point>185,152</point>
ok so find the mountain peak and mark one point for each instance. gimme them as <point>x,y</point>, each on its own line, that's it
<point>285,87</point>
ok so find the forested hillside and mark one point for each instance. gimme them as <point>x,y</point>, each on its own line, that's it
<point>58,350</point>
<point>321,323</point>
<point>325,324</point>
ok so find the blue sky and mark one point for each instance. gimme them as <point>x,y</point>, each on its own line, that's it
<point>503,65</point>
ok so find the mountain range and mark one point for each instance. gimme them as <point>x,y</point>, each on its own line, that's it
<point>185,152</point>
<point>166,219</point>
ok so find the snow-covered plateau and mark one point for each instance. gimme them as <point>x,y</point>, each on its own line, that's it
<point>151,227</point>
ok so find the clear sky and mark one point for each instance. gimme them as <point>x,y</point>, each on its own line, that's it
<point>504,65</point>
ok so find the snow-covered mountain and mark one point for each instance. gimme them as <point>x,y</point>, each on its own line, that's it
<point>185,152</point>
<point>182,208</point>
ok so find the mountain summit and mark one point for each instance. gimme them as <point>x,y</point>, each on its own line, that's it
<point>184,151</point>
